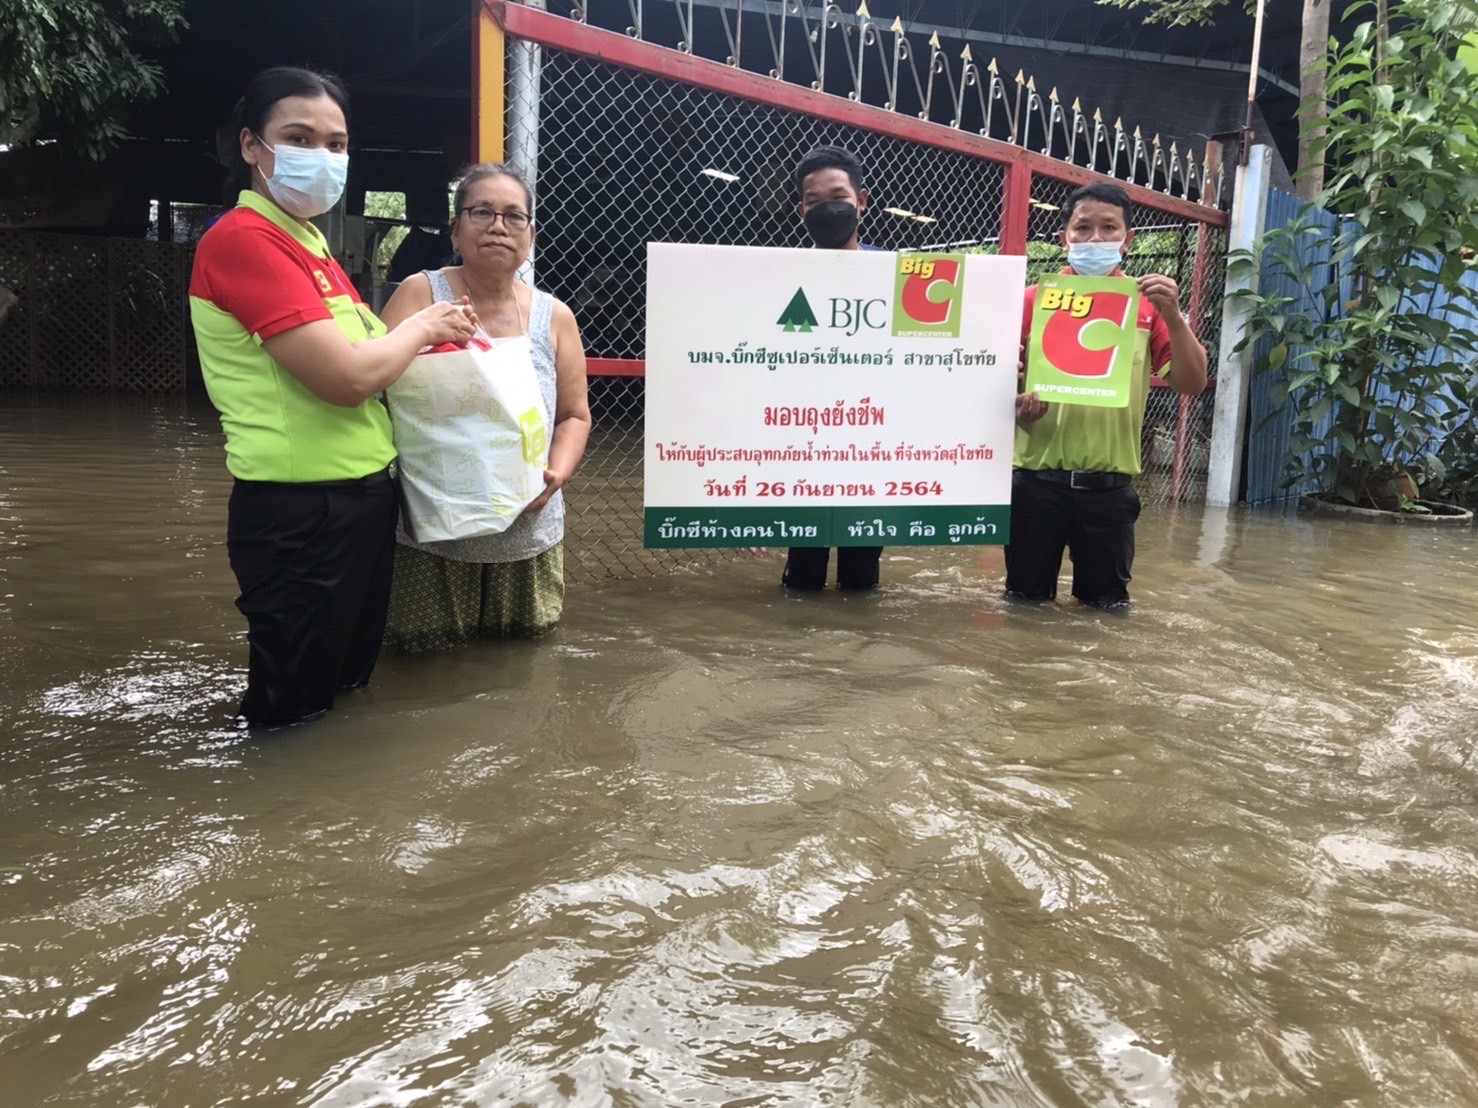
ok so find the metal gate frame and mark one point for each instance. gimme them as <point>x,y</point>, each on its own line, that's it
<point>502,26</point>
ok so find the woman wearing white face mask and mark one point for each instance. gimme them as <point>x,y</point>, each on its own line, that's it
<point>293,361</point>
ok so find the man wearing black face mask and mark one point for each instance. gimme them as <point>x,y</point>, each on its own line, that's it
<point>832,200</point>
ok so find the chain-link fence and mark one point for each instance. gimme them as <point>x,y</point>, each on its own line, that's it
<point>624,158</point>
<point>93,314</point>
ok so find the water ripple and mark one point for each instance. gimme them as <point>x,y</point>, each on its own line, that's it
<point>708,844</point>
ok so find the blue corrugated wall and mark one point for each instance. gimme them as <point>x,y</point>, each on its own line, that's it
<point>1267,441</point>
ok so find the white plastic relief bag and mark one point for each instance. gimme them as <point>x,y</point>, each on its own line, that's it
<point>472,437</point>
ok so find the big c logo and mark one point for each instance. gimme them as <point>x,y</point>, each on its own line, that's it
<point>928,295</point>
<point>1082,334</point>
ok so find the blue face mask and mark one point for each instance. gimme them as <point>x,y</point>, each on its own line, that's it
<point>307,183</point>
<point>1095,259</point>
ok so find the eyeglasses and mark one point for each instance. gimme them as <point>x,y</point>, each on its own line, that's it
<point>483,217</point>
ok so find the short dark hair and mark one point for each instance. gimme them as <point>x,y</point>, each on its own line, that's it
<point>255,107</point>
<point>1104,193</point>
<point>828,157</point>
<point>481,172</point>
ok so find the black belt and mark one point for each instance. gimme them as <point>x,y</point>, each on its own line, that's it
<point>369,480</point>
<point>1079,478</point>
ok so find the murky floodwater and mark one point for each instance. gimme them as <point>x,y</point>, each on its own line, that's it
<point>708,844</point>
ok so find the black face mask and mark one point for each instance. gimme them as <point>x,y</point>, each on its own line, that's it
<point>832,224</point>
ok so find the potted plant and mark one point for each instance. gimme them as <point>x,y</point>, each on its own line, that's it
<point>1367,300</point>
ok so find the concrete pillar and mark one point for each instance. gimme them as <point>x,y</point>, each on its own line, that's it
<point>1235,369</point>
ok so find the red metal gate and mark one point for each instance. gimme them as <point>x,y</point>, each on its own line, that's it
<point>630,143</point>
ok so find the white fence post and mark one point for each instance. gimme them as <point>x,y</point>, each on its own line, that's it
<point>1234,370</point>
<point>525,61</point>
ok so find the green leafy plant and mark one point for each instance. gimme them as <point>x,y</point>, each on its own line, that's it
<point>1366,317</point>
<point>386,206</point>
<point>70,69</point>
<point>1451,473</point>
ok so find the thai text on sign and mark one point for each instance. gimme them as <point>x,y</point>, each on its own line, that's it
<point>829,398</point>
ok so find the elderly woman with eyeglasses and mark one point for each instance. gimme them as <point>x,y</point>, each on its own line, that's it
<point>509,585</point>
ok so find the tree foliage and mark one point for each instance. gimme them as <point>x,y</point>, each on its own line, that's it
<point>1313,41</point>
<point>387,206</point>
<point>1368,320</point>
<point>1176,13</point>
<point>71,69</point>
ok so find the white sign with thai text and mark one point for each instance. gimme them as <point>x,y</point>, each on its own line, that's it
<point>829,398</point>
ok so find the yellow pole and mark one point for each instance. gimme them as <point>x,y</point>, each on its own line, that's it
<point>488,75</point>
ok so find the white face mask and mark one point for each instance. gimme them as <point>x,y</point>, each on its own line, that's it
<point>1095,259</point>
<point>306,183</point>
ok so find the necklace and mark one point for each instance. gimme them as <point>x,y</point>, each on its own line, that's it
<point>490,320</point>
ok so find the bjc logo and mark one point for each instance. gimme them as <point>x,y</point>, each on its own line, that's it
<point>1067,341</point>
<point>929,289</point>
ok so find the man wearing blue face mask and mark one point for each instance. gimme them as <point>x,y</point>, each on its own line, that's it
<point>1073,483</point>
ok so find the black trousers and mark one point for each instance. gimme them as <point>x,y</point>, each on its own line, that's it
<point>857,567</point>
<point>314,564</point>
<point>1096,526</point>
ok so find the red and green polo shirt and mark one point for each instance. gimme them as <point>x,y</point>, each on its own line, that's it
<point>260,272</point>
<point>1098,440</point>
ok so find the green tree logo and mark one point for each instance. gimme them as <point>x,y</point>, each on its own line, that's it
<point>798,316</point>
